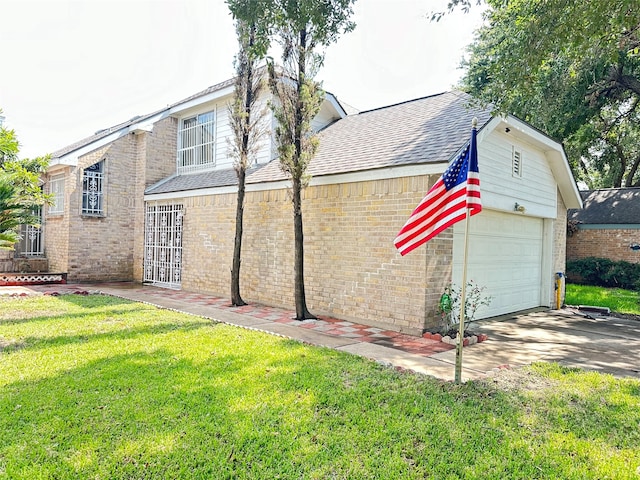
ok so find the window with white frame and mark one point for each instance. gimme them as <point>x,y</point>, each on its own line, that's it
<point>197,142</point>
<point>56,189</point>
<point>92,189</point>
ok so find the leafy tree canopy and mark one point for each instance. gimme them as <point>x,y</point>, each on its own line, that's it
<point>569,68</point>
<point>20,192</point>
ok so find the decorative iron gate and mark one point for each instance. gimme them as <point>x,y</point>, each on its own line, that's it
<point>163,245</point>
<point>31,244</point>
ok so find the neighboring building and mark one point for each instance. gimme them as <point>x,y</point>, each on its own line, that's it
<point>608,226</point>
<point>153,200</point>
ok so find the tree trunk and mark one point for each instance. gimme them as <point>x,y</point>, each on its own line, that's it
<point>302,313</point>
<point>236,299</point>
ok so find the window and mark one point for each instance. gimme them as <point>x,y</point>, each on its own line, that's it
<point>196,143</point>
<point>516,165</point>
<point>56,189</point>
<point>92,189</point>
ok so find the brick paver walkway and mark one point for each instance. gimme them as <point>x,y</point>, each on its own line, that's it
<point>327,325</point>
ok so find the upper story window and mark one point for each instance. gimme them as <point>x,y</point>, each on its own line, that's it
<point>56,189</point>
<point>196,143</point>
<point>92,189</point>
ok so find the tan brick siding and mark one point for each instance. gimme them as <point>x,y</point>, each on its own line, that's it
<point>352,269</point>
<point>559,249</point>
<point>156,160</point>
<point>604,243</point>
<point>56,229</point>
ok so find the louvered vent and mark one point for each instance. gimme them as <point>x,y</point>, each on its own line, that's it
<point>517,163</point>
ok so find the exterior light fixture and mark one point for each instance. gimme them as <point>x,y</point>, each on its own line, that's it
<point>519,208</point>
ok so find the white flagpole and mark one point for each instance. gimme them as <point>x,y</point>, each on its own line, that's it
<point>458,374</point>
<point>463,290</point>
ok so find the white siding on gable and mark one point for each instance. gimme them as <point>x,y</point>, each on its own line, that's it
<point>223,132</point>
<point>326,116</point>
<point>535,189</point>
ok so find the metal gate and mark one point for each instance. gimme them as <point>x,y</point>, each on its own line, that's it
<point>163,245</point>
<point>31,244</point>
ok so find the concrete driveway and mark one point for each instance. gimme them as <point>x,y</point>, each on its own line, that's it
<point>604,344</point>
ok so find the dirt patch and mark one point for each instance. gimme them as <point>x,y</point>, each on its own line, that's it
<point>626,316</point>
<point>519,379</point>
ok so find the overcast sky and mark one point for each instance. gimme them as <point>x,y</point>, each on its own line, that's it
<point>70,68</point>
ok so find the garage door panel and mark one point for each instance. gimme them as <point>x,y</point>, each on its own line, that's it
<point>505,256</point>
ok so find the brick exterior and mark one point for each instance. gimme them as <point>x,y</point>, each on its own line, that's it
<point>559,248</point>
<point>352,269</point>
<point>612,243</point>
<point>103,248</point>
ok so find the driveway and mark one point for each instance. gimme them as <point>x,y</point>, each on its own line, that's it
<point>604,344</point>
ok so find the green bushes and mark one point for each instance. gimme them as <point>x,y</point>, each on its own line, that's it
<point>603,272</point>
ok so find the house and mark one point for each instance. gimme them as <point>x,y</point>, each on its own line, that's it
<point>153,200</point>
<point>608,226</point>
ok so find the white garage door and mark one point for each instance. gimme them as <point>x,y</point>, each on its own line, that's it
<point>505,255</point>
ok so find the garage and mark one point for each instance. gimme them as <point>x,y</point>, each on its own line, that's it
<point>505,256</point>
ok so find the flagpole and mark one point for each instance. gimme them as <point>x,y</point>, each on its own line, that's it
<point>463,291</point>
<point>459,345</point>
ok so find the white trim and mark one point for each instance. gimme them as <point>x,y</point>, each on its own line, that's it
<point>553,150</point>
<point>353,177</point>
<point>335,104</point>
<point>71,158</point>
<point>179,110</point>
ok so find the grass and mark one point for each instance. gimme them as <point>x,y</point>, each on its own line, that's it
<point>617,299</point>
<point>103,388</point>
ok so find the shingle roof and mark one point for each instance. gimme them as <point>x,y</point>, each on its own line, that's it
<point>426,130</point>
<point>108,131</point>
<point>614,206</point>
<point>194,181</point>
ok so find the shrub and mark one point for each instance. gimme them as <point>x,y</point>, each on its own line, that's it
<point>602,272</point>
<point>450,303</point>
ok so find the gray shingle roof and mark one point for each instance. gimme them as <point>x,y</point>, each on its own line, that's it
<point>426,130</point>
<point>615,206</point>
<point>108,131</point>
<point>194,181</point>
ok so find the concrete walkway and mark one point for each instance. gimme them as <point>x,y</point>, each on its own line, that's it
<point>605,344</point>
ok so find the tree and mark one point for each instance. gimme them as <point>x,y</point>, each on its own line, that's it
<point>565,67</point>
<point>9,145</point>
<point>304,28</point>
<point>246,116</point>
<point>20,192</point>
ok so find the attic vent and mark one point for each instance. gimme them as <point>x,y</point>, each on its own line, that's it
<point>516,163</point>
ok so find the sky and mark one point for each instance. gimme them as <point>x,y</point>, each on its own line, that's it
<point>70,67</point>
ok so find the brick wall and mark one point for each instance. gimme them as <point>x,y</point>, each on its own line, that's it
<point>559,248</point>
<point>103,248</point>
<point>56,229</point>
<point>352,269</point>
<point>612,243</point>
<point>155,160</point>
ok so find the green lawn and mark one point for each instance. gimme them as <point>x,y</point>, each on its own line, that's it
<point>102,388</point>
<point>617,299</point>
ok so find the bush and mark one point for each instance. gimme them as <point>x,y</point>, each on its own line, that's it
<point>602,272</point>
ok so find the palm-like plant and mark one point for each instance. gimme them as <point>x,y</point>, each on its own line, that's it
<point>14,211</point>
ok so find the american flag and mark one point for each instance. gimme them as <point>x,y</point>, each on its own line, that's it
<point>446,203</point>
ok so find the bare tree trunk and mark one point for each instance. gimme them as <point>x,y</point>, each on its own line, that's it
<point>302,312</point>
<point>236,299</point>
<point>632,173</point>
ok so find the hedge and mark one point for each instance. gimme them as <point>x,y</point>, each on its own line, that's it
<point>603,272</point>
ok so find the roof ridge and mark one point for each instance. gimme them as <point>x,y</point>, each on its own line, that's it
<point>406,101</point>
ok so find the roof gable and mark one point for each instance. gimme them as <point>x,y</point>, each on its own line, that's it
<point>611,206</point>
